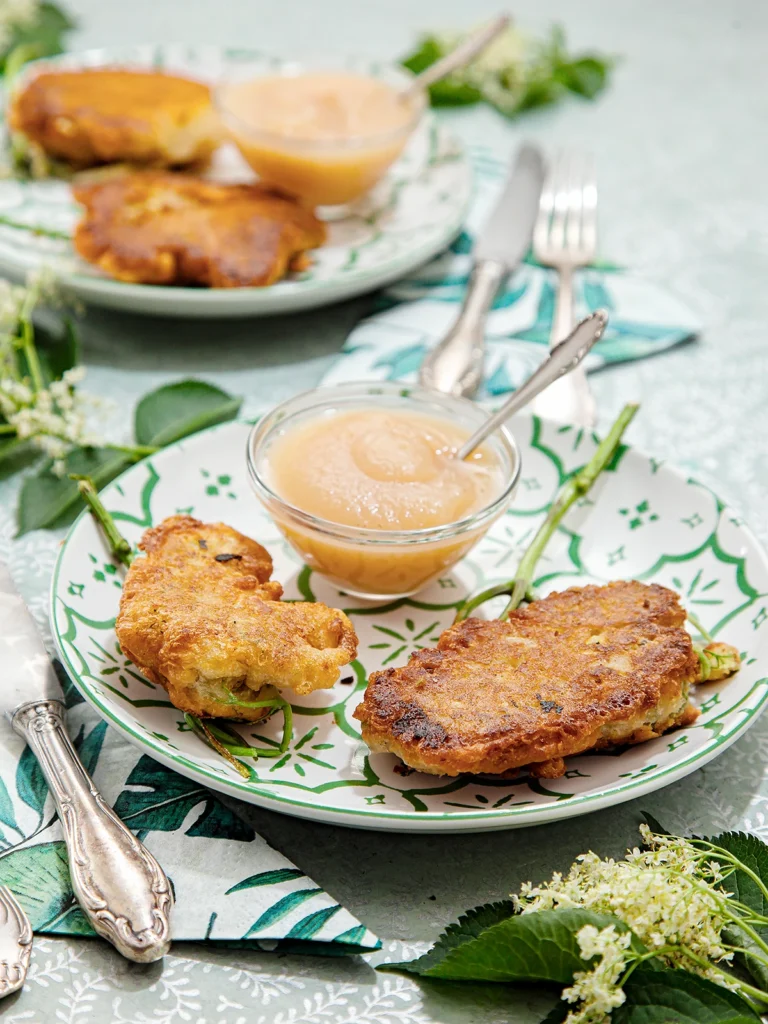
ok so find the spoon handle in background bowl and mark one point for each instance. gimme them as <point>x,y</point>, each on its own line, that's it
<point>463,54</point>
<point>562,359</point>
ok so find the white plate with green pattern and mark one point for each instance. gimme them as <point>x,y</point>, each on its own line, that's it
<point>414,213</point>
<point>642,520</point>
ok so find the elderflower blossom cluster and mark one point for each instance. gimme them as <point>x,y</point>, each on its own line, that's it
<point>54,418</point>
<point>16,14</point>
<point>598,989</point>
<point>668,895</point>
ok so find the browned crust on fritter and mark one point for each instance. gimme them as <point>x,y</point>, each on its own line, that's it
<point>196,625</point>
<point>586,668</point>
<point>96,116</point>
<point>157,227</point>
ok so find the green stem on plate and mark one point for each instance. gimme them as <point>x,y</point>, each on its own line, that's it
<point>134,451</point>
<point>697,624</point>
<point>35,229</point>
<point>118,545</point>
<point>574,489</point>
<point>199,727</point>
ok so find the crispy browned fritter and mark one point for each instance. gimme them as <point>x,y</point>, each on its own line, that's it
<point>113,115</point>
<point>200,616</point>
<point>587,668</point>
<point>157,227</point>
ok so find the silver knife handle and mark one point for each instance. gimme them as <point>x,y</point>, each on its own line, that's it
<point>120,886</point>
<point>455,364</point>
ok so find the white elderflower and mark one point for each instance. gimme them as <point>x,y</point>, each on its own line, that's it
<point>598,990</point>
<point>16,14</point>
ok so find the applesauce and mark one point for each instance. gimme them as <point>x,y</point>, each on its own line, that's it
<point>326,137</point>
<point>370,495</point>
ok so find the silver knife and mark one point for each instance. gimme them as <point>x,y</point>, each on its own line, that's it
<point>121,888</point>
<point>455,365</point>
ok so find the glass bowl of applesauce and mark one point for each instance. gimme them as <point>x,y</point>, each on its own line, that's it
<point>361,480</point>
<point>324,133</point>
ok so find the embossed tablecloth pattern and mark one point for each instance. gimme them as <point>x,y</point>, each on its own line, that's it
<point>680,147</point>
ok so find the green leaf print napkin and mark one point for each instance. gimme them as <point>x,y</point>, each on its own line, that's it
<point>415,313</point>
<point>230,885</point>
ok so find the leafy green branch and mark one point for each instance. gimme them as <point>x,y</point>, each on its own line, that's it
<point>45,416</point>
<point>674,932</point>
<point>513,74</point>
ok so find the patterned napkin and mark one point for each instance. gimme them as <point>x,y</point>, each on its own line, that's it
<point>412,315</point>
<point>229,884</point>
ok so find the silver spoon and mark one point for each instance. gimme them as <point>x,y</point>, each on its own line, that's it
<point>457,58</point>
<point>561,359</point>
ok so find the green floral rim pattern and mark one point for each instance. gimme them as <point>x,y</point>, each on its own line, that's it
<point>644,520</point>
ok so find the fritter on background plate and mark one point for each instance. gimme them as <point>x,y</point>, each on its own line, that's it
<point>587,668</point>
<point>114,115</point>
<point>200,616</point>
<point>157,227</point>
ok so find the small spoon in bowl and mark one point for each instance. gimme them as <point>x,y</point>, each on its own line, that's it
<point>562,358</point>
<point>463,54</point>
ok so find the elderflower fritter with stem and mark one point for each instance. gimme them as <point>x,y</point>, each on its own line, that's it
<point>598,990</point>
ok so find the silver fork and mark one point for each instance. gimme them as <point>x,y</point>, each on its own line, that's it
<point>564,238</point>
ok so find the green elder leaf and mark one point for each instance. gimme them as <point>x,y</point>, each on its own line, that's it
<point>586,76</point>
<point>39,878</point>
<point>677,997</point>
<point>453,91</point>
<point>753,853</point>
<point>526,947</point>
<point>178,410</point>
<point>47,502</point>
<point>468,927</point>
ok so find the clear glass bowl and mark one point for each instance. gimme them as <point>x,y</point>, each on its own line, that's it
<point>372,563</point>
<point>328,172</point>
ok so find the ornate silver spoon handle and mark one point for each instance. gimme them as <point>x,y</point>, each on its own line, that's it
<point>122,889</point>
<point>563,358</point>
<point>15,943</point>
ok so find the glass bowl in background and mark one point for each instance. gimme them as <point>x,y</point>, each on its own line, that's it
<point>377,564</point>
<point>328,172</point>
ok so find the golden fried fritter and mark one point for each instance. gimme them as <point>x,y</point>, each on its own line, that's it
<point>157,227</point>
<point>200,616</point>
<point>587,668</point>
<point>107,115</point>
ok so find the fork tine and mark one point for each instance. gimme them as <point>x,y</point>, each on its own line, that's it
<point>589,209</point>
<point>574,205</point>
<point>560,176</point>
<point>546,205</point>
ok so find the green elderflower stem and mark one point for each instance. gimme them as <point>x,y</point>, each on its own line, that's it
<point>577,487</point>
<point>134,451</point>
<point>35,229</point>
<point>27,341</point>
<point>198,726</point>
<point>118,545</point>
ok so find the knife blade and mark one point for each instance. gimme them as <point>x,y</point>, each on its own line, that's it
<point>455,364</point>
<point>120,886</point>
<point>507,232</point>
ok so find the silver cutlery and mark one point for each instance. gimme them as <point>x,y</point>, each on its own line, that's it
<point>15,943</point>
<point>121,888</point>
<point>455,365</point>
<point>565,238</point>
<point>563,359</point>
